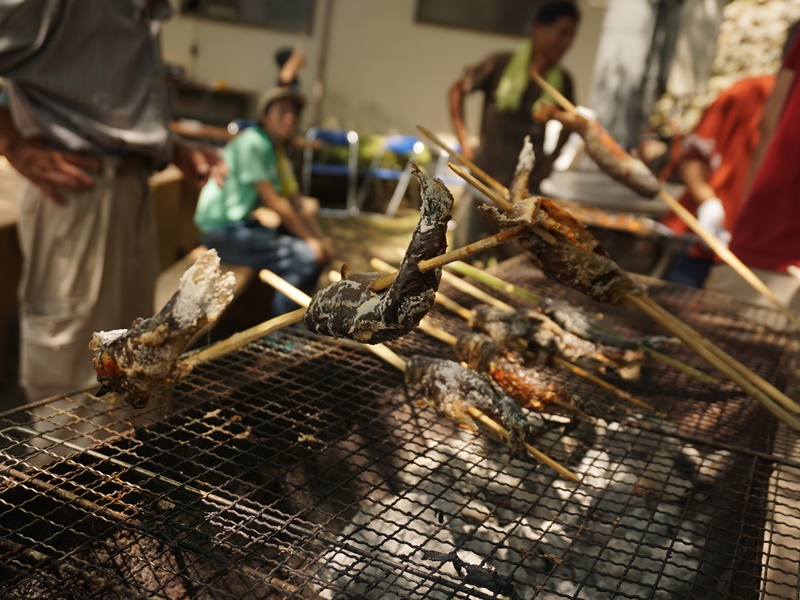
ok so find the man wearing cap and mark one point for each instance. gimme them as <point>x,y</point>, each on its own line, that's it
<point>258,217</point>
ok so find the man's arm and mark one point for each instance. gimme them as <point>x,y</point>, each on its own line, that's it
<point>292,220</point>
<point>198,162</point>
<point>695,174</point>
<point>456,97</point>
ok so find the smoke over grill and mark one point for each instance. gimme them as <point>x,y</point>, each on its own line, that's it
<point>299,468</point>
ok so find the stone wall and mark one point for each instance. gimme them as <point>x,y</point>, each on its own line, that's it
<point>750,42</point>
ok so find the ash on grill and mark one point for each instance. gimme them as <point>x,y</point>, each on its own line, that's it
<point>296,469</point>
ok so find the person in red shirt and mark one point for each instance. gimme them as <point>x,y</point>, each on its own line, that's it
<point>766,234</point>
<point>713,161</point>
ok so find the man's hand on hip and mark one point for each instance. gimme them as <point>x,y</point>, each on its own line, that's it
<point>49,168</point>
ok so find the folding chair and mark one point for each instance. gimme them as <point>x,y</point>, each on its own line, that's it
<point>334,137</point>
<point>401,145</point>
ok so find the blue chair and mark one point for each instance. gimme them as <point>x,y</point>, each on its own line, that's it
<point>334,137</point>
<point>401,145</point>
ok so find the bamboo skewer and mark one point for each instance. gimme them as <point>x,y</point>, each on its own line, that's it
<point>479,294</point>
<point>691,221</point>
<point>243,338</point>
<point>723,362</point>
<point>400,364</point>
<point>458,254</point>
<point>511,289</point>
<point>496,196</point>
<point>557,96</point>
<point>729,257</point>
<point>464,161</point>
<point>773,399</point>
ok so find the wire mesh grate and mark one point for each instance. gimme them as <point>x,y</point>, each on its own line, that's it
<point>297,468</point>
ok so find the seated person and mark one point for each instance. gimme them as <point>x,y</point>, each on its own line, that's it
<point>258,217</point>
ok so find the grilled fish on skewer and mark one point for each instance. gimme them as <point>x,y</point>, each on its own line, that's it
<point>530,332</point>
<point>577,321</point>
<point>605,151</point>
<point>450,389</point>
<point>565,251</point>
<point>539,338</point>
<point>349,308</point>
<point>480,353</point>
<point>132,362</point>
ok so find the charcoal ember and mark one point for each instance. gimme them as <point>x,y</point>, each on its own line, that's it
<point>133,362</point>
<point>351,309</point>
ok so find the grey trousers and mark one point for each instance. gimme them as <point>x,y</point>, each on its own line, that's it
<point>89,265</point>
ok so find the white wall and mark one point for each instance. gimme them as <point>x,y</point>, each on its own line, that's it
<point>385,73</point>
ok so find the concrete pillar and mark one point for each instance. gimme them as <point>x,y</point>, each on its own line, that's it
<point>620,68</point>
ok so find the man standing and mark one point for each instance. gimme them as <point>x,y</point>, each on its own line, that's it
<point>510,99</point>
<point>86,124</point>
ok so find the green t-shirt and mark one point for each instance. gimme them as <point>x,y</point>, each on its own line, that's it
<point>251,158</point>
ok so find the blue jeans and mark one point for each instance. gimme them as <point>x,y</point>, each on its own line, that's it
<point>688,270</point>
<point>250,244</point>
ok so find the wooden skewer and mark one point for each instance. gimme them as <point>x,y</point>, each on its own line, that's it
<point>386,281</point>
<point>494,195</point>
<point>482,296</point>
<point>718,359</point>
<point>242,338</point>
<point>687,217</point>
<point>729,257</point>
<point>400,364</point>
<point>772,398</point>
<point>464,161</point>
<point>557,96</point>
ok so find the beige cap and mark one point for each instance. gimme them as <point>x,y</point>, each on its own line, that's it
<point>278,93</point>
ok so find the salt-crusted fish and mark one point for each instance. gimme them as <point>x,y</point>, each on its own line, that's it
<point>133,362</point>
<point>351,309</point>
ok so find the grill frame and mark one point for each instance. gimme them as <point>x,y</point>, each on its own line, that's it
<point>256,476</point>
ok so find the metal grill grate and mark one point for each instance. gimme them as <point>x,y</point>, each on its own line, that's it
<point>297,468</point>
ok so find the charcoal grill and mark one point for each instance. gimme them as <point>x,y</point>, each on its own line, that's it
<point>298,468</point>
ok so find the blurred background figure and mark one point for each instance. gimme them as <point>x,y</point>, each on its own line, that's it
<point>713,161</point>
<point>86,125</point>
<point>257,217</point>
<point>289,61</point>
<point>510,98</point>
<point>766,234</point>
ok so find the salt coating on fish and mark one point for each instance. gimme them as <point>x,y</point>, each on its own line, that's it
<point>204,292</point>
<point>133,362</point>
<point>522,174</point>
<point>351,309</point>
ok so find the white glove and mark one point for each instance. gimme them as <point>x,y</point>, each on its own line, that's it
<point>711,215</point>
